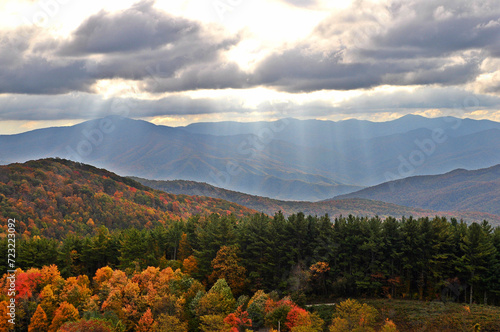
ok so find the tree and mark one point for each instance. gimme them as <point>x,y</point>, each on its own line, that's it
<point>297,317</point>
<point>66,312</point>
<point>39,322</point>
<point>167,323</point>
<point>226,266</point>
<point>146,323</point>
<point>213,323</point>
<point>238,321</point>
<point>389,326</point>
<point>317,273</point>
<point>218,301</point>
<point>4,318</point>
<point>257,309</point>
<point>76,291</point>
<point>353,316</point>
<point>190,265</point>
<point>478,253</point>
<point>91,325</point>
<point>185,249</point>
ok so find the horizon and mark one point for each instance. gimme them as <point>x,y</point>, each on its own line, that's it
<point>232,121</point>
<point>176,63</point>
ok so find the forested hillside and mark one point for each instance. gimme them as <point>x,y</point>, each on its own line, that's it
<point>54,197</point>
<point>344,205</point>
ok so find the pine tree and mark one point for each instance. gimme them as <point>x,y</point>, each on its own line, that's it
<point>478,253</point>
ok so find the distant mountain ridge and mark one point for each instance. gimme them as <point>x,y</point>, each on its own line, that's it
<point>288,159</point>
<point>458,190</point>
<point>333,207</point>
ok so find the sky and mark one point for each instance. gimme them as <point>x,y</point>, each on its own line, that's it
<point>174,62</point>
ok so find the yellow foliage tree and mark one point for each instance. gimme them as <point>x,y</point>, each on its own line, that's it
<point>167,323</point>
<point>353,316</point>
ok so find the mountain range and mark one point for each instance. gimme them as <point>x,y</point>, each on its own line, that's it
<point>458,190</point>
<point>287,159</point>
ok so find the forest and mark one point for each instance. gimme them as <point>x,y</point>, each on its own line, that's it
<point>295,260</point>
<point>98,252</point>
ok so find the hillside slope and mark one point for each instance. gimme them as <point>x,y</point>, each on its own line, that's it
<point>355,206</point>
<point>54,197</point>
<point>458,190</point>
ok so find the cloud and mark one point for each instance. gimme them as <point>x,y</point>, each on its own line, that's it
<point>394,43</point>
<point>452,101</point>
<point>140,43</point>
<point>137,28</point>
<point>89,106</point>
<point>422,98</point>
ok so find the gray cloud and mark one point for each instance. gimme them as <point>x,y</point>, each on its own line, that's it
<point>396,43</point>
<point>88,106</point>
<point>140,43</point>
<point>137,28</point>
<point>421,99</point>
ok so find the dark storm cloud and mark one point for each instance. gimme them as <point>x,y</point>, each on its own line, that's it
<point>397,43</point>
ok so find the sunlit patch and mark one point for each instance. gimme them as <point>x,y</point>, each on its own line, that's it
<point>119,88</point>
<point>30,124</point>
<point>10,127</point>
<point>431,113</point>
<point>484,114</point>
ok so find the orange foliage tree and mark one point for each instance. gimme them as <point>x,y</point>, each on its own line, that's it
<point>226,265</point>
<point>146,323</point>
<point>190,265</point>
<point>66,312</point>
<point>39,322</point>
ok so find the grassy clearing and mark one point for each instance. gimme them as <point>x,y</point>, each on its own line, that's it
<point>410,316</point>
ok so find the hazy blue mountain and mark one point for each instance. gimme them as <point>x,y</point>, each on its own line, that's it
<point>289,159</point>
<point>132,147</point>
<point>458,190</point>
<point>330,133</point>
